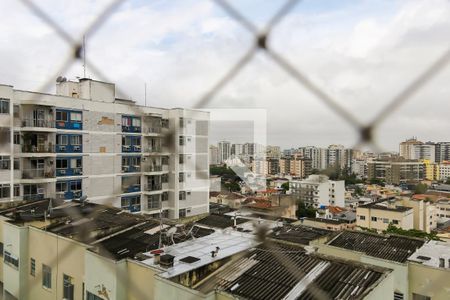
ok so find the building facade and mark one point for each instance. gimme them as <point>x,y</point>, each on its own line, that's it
<point>318,190</point>
<point>85,141</point>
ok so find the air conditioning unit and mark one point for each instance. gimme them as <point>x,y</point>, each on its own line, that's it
<point>76,148</point>
<point>62,148</point>
<point>40,191</point>
<point>125,168</point>
<point>126,147</point>
<point>63,172</point>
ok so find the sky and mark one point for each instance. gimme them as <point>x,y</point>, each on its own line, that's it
<point>361,53</point>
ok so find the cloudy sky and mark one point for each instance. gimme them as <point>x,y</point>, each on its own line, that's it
<point>361,53</point>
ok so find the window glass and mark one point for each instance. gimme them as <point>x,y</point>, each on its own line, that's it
<point>61,186</point>
<point>61,139</point>
<point>75,116</point>
<point>61,116</point>
<point>75,140</point>
<point>136,122</point>
<point>4,106</point>
<point>46,276</point>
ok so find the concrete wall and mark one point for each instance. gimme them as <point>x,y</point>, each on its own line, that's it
<point>140,281</point>
<point>429,281</point>
<point>166,289</point>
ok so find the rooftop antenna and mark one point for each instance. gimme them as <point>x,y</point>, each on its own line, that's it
<point>84,55</point>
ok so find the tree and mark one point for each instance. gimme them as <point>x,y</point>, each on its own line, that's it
<point>285,186</point>
<point>233,186</point>
<point>303,211</point>
<point>359,191</point>
<point>411,232</point>
<point>421,188</point>
<point>447,181</point>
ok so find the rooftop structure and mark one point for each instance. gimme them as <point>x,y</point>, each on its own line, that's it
<point>434,254</point>
<point>394,248</point>
<point>299,234</point>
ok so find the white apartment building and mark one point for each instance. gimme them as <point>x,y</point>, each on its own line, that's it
<point>359,168</point>
<point>444,170</point>
<point>213,155</point>
<point>317,155</point>
<point>224,151</point>
<point>424,151</point>
<point>85,141</point>
<point>237,149</point>
<point>335,156</point>
<point>318,190</point>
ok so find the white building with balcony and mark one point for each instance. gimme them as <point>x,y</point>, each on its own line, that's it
<point>85,141</point>
<point>318,190</point>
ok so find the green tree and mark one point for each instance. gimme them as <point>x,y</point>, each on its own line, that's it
<point>447,181</point>
<point>411,232</point>
<point>303,211</point>
<point>233,186</point>
<point>285,186</point>
<point>421,188</point>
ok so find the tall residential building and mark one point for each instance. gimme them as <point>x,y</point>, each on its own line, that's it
<point>442,151</point>
<point>431,170</point>
<point>273,152</point>
<point>406,148</point>
<point>214,155</point>
<point>224,151</point>
<point>444,170</point>
<point>85,141</point>
<point>237,149</point>
<point>268,166</point>
<point>318,190</point>
<point>335,156</point>
<point>317,156</point>
<point>396,171</point>
<point>424,151</point>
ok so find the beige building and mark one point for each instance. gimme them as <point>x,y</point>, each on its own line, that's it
<point>406,148</point>
<point>425,213</point>
<point>378,215</point>
<point>413,278</point>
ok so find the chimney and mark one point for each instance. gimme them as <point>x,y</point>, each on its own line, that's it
<point>166,261</point>
<point>156,256</point>
<point>214,253</point>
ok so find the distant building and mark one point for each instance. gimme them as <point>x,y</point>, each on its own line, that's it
<point>237,149</point>
<point>407,149</point>
<point>224,151</point>
<point>442,151</point>
<point>318,190</point>
<point>396,171</point>
<point>214,155</point>
<point>444,170</point>
<point>273,152</point>
<point>335,156</point>
<point>425,151</point>
<point>379,215</point>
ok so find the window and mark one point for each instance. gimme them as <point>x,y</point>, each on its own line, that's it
<point>181,122</point>
<point>16,190</point>
<point>164,178</point>
<point>62,163</point>
<point>362,218</point>
<point>16,163</point>
<point>75,185</point>
<point>90,296</point>
<point>181,159</point>
<point>75,163</point>
<point>420,297</point>
<point>61,186</point>
<point>68,287</point>
<point>181,141</point>
<point>4,162</point>
<point>136,122</point>
<point>75,116</point>
<point>126,121</point>
<point>46,276</point>
<point>75,140</point>
<point>32,267</point>
<point>374,219</point>
<point>61,139</point>
<point>181,177</point>
<point>16,138</point>
<point>182,195</point>
<point>11,260</point>
<point>182,213</point>
<point>165,196</point>
<point>386,221</point>
<point>61,116</point>
<point>164,160</point>
<point>4,106</point>
<point>4,191</point>
<point>441,263</point>
<point>153,202</point>
<point>1,249</point>
<point>395,222</point>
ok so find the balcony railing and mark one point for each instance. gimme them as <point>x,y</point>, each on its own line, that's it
<point>38,149</point>
<point>153,149</point>
<point>131,169</point>
<point>154,130</point>
<point>69,172</point>
<point>154,187</point>
<point>33,197</point>
<point>37,173</point>
<point>131,188</point>
<point>38,123</point>
<point>154,168</point>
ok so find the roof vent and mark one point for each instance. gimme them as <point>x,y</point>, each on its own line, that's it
<point>190,259</point>
<point>166,261</point>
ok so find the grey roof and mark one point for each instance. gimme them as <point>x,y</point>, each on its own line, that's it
<point>394,248</point>
<point>276,271</point>
<point>375,205</point>
<point>220,221</point>
<point>299,234</point>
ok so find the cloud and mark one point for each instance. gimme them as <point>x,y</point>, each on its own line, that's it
<point>362,54</point>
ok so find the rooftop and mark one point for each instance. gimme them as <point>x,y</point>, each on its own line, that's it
<point>199,251</point>
<point>297,275</point>
<point>81,221</point>
<point>220,221</point>
<point>394,248</point>
<point>299,234</point>
<point>382,206</point>
<point>430,253</point>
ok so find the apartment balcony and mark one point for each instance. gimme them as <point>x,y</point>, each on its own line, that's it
<point>37,174</point>
<point>153,168</point>
<point>38,123</point>
<point>153,131</point>
<point>46,148</point>
<point>131,129</point>
<point>154,187</point>
<point>131,148</point>
<point>134,188</point>
<point>69,148</point>
<point>69,172</point>
<point>131,169</point>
